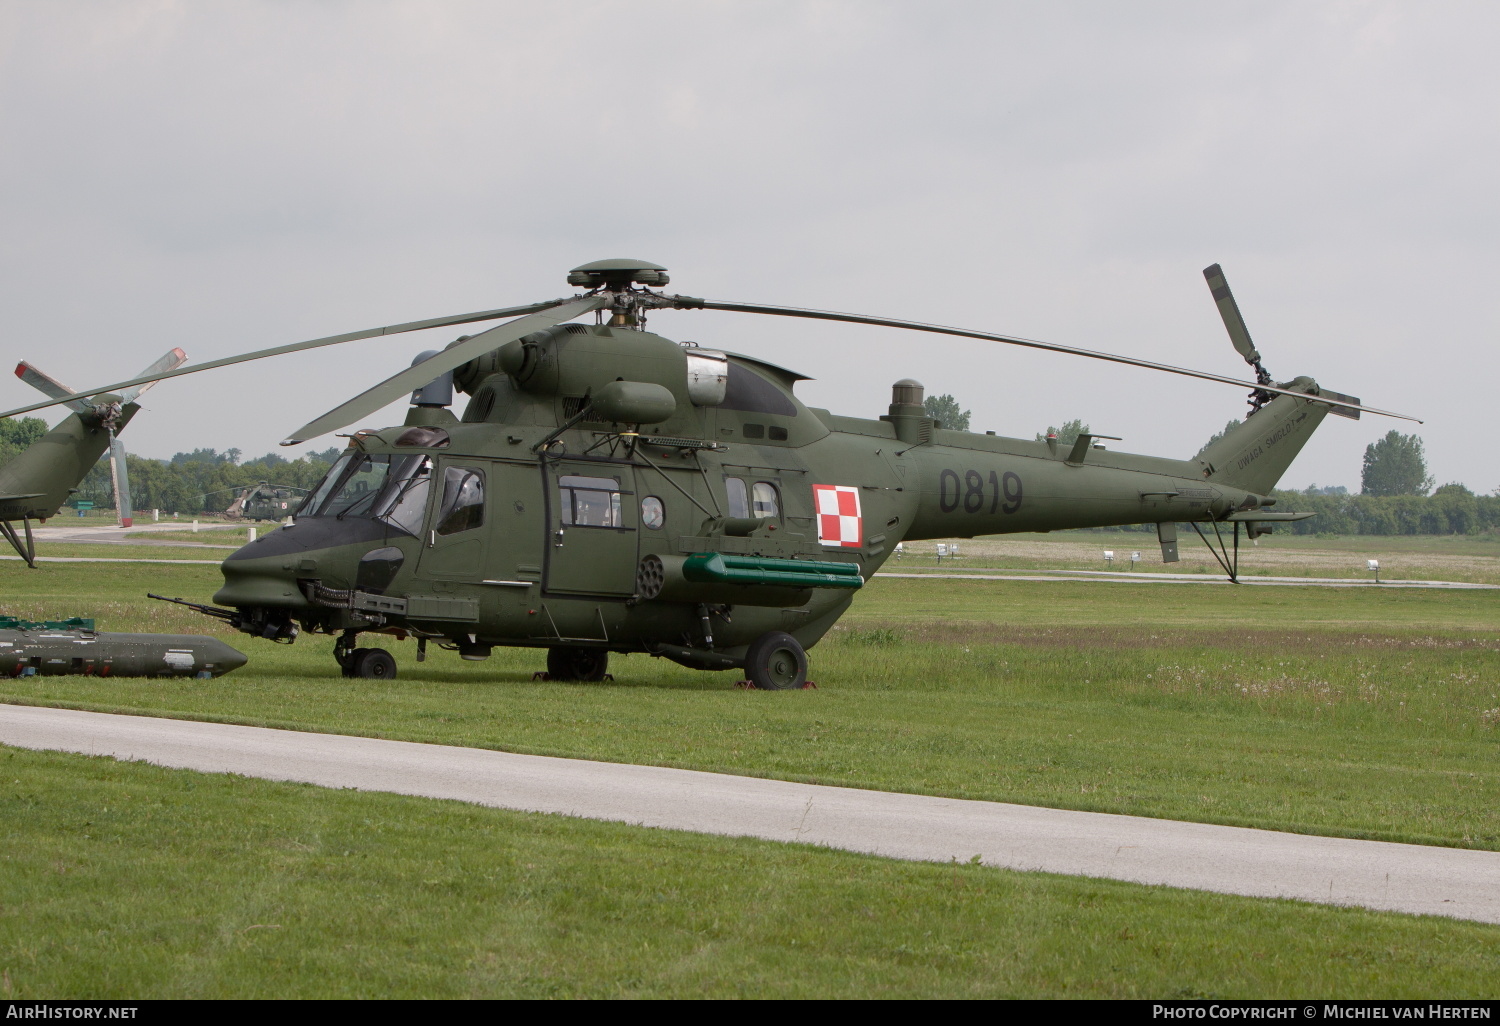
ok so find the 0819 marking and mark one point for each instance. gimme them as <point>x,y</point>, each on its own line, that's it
<point>972,491</point>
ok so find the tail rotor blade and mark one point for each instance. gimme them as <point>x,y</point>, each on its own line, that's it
<point>419,374</point>
<point>119,472</point>
<point>1230,311</point>
<point>48,385</point>
<point>171,361</point>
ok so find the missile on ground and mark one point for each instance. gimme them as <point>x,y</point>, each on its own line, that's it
<point>55,649</point>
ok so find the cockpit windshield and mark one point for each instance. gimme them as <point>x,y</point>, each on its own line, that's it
<point>374,486</point>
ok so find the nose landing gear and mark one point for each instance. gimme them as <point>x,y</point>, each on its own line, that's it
<point>368,663</point>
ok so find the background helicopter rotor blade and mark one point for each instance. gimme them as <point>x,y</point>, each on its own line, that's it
<point>687,303</point>
<point>420,374</point>
<point>352,336</point>
<point>1230,311</point>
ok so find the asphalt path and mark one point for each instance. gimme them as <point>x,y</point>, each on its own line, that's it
<point>1409,878</point>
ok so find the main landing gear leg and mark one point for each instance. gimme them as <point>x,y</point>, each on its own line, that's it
<point>576,664</point>
<point>344,652</point>
<point>1230,563</point>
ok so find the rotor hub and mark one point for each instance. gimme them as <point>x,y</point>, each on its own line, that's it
<point>618,275</point>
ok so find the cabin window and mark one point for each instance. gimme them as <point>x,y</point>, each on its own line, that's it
<point>778,434</point>
<point>767,503</point>
<point>590,501</point>
<point>653,513</point>
<point>755,431</point>
<point>463,500</point>
<point>739,501</point>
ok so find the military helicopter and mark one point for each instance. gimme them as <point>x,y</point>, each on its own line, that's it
<point>36,483</point>
<point>263,501</point>
<point>610,490</point>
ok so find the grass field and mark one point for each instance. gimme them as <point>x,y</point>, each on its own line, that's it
<point>1359,713</point>
<point>1469,558</point>
<point>129,881</point>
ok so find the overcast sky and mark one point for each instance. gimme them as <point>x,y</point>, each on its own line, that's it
<point>232,175</point>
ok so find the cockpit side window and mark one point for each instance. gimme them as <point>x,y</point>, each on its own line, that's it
<point>319,494</point>
<point>463,500</point>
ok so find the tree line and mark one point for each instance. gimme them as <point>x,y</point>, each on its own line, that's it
<point>200,481</point>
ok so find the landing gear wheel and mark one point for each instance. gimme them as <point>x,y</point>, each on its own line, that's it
<point>373,664</point>
<point>584,664</point>
<point>775,661</point>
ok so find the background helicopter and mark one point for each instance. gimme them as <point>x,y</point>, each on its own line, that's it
<point>35,484</point>
<point>732,534</point>
<point>263,501</point>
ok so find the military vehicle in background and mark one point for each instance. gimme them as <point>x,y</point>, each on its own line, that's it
<point>608,489</point>
<point>263,501</point>
<point>37,482</point>
<point>73,647</point>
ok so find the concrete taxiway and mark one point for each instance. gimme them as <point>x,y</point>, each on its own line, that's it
<point>1418,879</point>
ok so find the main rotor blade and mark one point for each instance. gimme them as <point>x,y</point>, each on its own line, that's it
<point>686,303</point>
<point>48,385</point>
<point>419,374</point>
<point>171,361</point>
<point>1230,311</point>
<point>352,336</point>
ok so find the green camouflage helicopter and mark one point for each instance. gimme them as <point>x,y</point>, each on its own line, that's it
<point>263,501</point>
<point>35,484</point>
<point>610,490</point>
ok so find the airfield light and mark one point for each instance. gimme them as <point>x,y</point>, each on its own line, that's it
<point>942,550</point>
<point>1373,565</point>
<point>1135,557</point>
<point>1109,557</point>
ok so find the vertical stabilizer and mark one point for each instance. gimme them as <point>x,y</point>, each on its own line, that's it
<point>50,469</point>
<point>1254,455</point>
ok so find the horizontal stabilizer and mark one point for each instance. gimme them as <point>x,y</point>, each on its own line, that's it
<point>1340,411</point>
<point>1255,516</point>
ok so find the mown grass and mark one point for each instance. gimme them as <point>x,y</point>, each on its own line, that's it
<point>1466,558</point>
<point>1358,713</point>
<point>121,880</point>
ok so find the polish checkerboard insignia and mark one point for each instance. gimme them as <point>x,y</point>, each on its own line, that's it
<point>839,521</point>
